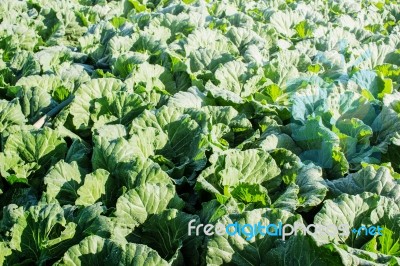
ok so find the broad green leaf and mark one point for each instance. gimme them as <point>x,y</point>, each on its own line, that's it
<point>32,151</point>
<point>245,248</point>
<point>98,185</point>
<point>288,200</point>
<point>63,181</point>
<point>378,181</point>
<point>42,233</point>
<point>136,205</point>
<point>312,188</point>
<point>231,167</point>
<point>141,255</point>
<point>167,231</point>
<point>97,251</point>
<point>251,193</point>
<point>302,250</point>
<point>108,154</point>
<point>92,250</point>
<point>118,107</point>
<point>82,105</point>
<point>140,171</point>
<point>10,114</point>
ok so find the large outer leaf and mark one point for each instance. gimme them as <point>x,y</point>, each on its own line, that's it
<point>368,179</point>
<point>137,254</point>
<point>119,107</point>
<point>167,232</point>
<point>302,250</point>
<point>141,171</point>
<point>354,211</point>
<point>232,167</point>
<point>231,75</point>
<point>137,204</point>
<point>35,150</point>
<point>147,142</point>
<point>236,250</point>
<point>42,233</point>
<point>95,250</point>
<point>154,77</point>
<point>179,127</point>
<point>312,189</point>
<point>62,182</point>
<point>98,185</point>
<point>108,154</point>
<point>10,114</point>
<point>85,96</point>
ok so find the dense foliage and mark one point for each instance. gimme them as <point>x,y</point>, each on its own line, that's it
<point>218,111</point>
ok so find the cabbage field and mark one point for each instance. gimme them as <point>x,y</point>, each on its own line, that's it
<point>126,124</point>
